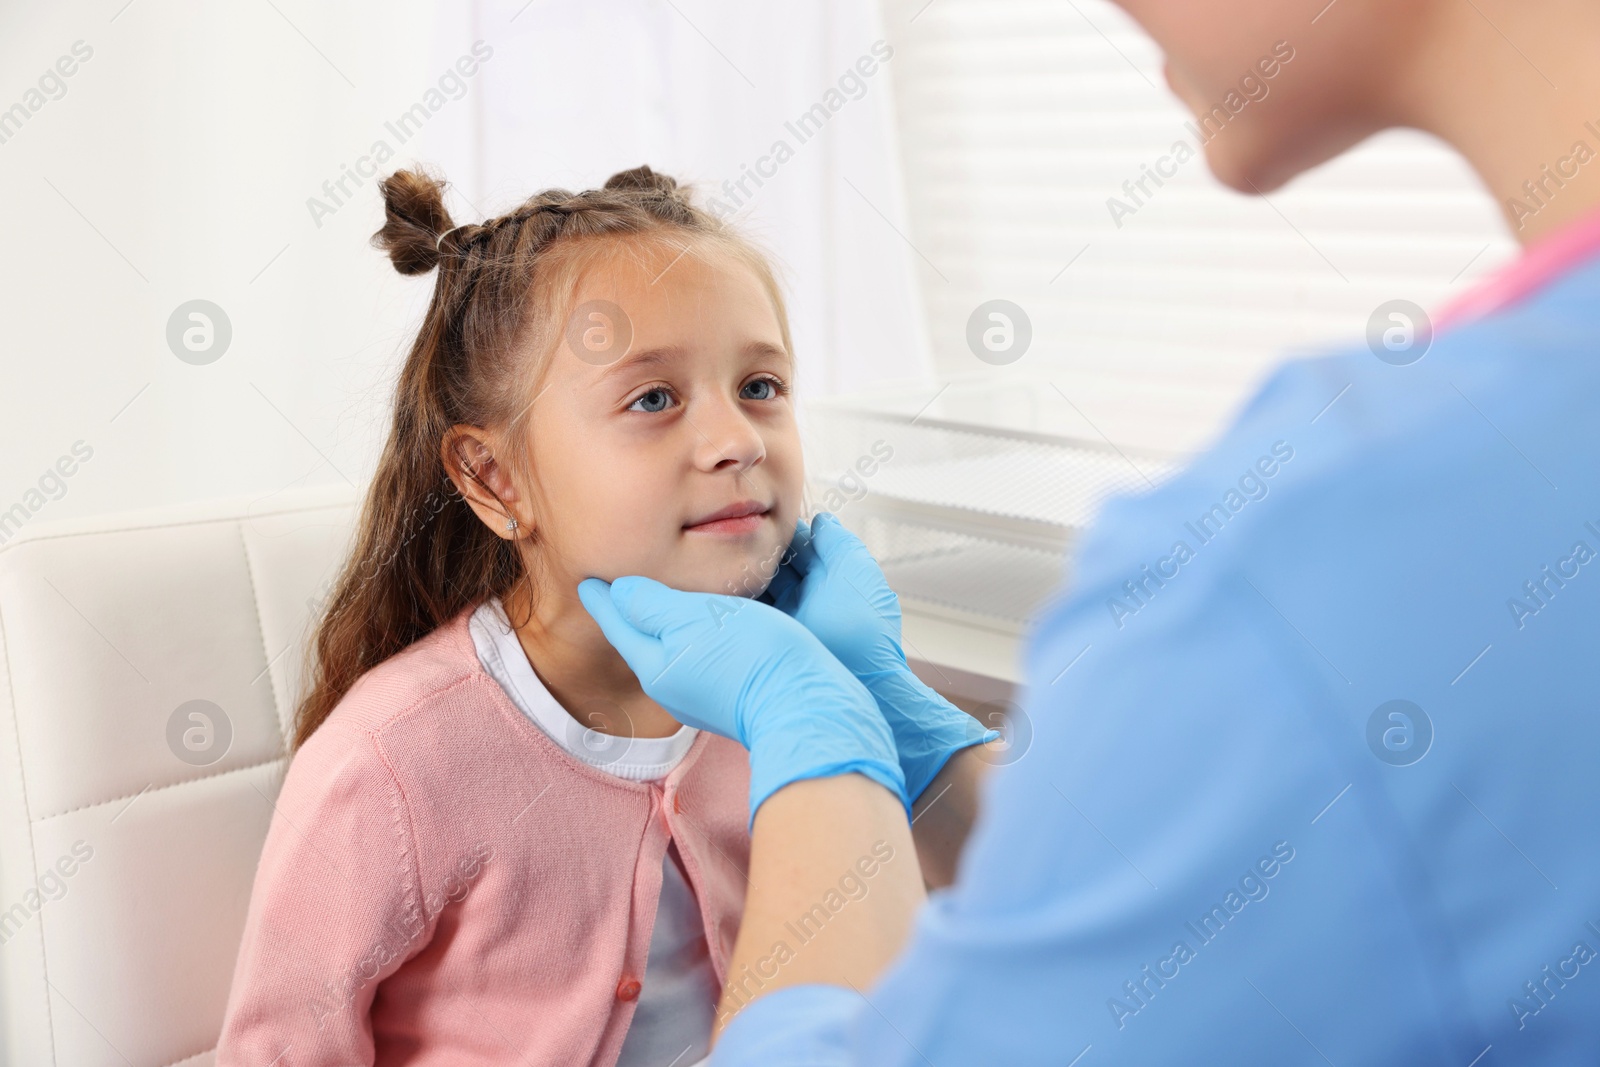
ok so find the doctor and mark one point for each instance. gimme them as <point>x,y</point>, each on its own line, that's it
<point>1315,763</point>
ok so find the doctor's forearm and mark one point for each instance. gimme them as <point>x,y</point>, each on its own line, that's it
<point>834,886</point>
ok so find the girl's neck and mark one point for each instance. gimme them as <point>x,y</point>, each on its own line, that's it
<point>585,674</point>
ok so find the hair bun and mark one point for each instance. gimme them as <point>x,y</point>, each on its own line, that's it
<point>414,219</point>
<point>644,179</point>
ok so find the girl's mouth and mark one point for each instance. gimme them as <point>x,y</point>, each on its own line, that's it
<point>742,525</point>
<point>735,520</point>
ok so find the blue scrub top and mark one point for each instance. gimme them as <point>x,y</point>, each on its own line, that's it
<point>1314,767</point>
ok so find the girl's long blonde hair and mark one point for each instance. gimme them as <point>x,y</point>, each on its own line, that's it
<point>420,554</point>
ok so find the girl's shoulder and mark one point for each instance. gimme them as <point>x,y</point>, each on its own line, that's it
<point>429,673</point>
<point>422,723</point>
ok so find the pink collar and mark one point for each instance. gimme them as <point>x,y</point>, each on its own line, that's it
<point>1539,264</point>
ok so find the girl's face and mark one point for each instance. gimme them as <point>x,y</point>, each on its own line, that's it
<point>636,442</point>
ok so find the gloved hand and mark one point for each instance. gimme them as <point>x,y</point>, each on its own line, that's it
<point>747,671</point>
<point>833,586</point>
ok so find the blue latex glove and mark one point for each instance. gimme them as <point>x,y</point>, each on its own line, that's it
<point>747,671</point>
<point>833,586</point>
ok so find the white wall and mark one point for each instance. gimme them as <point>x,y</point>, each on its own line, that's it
<point>177,166</point>
<point>179,163</point>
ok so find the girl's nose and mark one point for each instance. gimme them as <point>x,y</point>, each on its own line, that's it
<point>725,436</point>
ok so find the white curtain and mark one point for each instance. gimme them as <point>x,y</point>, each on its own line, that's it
<point>713,92</point>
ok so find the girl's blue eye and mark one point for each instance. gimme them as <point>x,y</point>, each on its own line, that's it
<point>644,398</point>
<point>658,395</point>
<point>775,387</point>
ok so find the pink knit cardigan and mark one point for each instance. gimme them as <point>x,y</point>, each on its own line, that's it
<point>443,884</point>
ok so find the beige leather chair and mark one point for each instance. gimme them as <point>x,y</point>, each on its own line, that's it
<point>150,665</point>
<point>149,668</point>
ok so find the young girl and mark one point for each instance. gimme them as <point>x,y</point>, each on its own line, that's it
<point>490,846</point>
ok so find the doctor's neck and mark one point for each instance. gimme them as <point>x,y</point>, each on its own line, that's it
<point>1515,87</point>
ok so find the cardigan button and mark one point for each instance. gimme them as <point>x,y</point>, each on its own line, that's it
<point>627,989</point>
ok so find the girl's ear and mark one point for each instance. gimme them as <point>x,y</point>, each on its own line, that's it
<point>483,482</point>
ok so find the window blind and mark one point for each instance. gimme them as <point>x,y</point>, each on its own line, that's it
<point>1020,121</point>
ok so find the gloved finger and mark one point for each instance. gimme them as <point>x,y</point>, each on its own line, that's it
<point>800,554</point>
<point>641,651</point>
<point>831,540</point>
<point>657,610</point>
<point>650,606</point>
<point>783,590</point>
<point>846,555</point>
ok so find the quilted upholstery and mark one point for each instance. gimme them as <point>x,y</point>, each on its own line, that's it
<point>149,668</point>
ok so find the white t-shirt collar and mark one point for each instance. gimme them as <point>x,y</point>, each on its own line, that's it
<point>638,759</point>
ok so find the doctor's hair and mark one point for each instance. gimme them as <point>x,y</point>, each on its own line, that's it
<point>504,288</point>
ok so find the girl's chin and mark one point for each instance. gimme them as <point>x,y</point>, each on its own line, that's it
<point>728,566</point>
<point>746,574</point>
